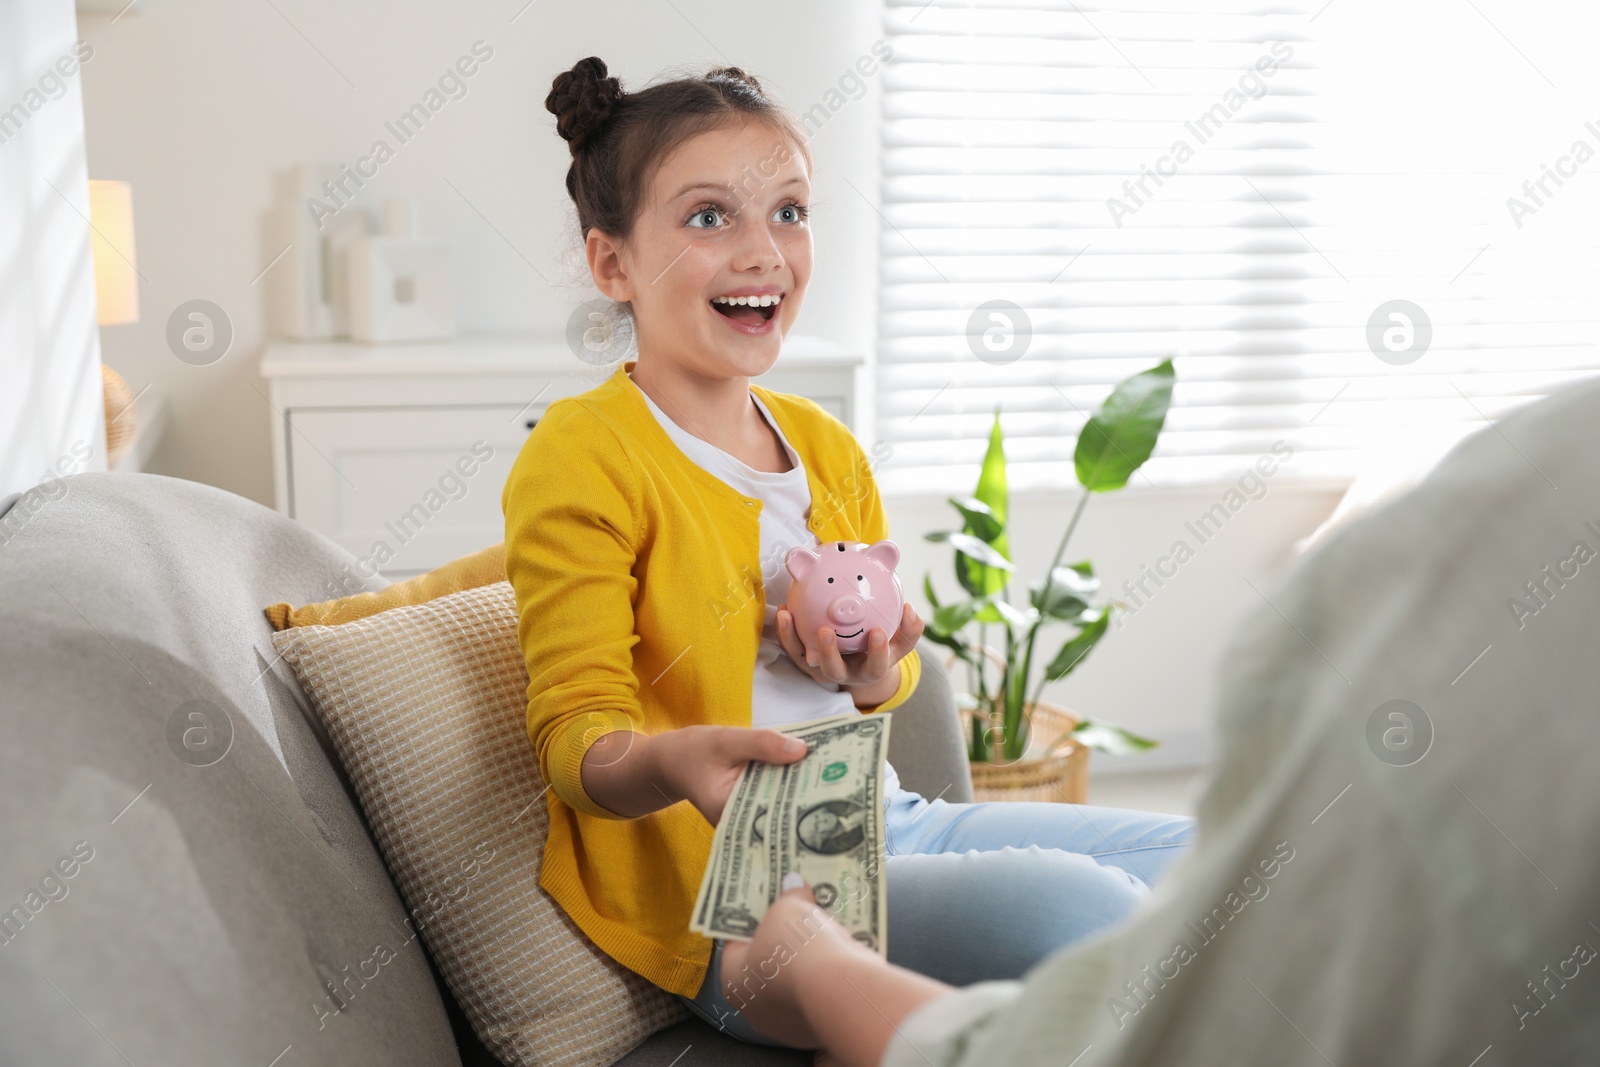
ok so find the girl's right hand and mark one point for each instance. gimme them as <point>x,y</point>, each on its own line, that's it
<point>700,764</point>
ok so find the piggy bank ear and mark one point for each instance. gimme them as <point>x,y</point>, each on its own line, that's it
<point>800,561</point>
<point>886,553</point>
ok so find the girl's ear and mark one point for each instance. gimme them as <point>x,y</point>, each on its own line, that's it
<point>885,552</point>
<point>800,562</point>
<point>606,265</point>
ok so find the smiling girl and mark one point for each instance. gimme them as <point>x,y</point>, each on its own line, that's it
<point>647,521</point>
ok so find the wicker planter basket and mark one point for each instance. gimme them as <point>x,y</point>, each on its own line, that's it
<point>1054,768</point>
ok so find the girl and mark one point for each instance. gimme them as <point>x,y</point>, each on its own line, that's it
<point>647,522</point>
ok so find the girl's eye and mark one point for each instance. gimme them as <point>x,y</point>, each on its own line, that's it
<point>711,216</point>
<point>705,212</point>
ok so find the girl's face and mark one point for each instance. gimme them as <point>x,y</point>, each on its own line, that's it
<point>725,215</point>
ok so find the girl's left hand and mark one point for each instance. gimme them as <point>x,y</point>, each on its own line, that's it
<point>861,668</point>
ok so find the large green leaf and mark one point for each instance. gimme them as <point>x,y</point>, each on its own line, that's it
<point>978,575</point>
<point>968,545</point>
<point>1073,652</point>
<point>951,617</point>
<point>954,642</point>
<point>981,520</point>
<point>1070,590</point>
<point>1015,616</point>
<point>988,612</point>
<point>1120,436</point>
<point>1086,581</point>
<point>1108,738</point>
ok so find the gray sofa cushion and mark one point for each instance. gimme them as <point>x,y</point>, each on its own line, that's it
<point>925,743</point>
<point>226,900</point>
<point>214,912</point>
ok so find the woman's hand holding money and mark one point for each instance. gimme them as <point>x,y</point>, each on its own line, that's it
<point>772,1004</point>
<point>803,980</point>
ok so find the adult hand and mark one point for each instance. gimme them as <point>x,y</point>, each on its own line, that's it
<point>857,668</point>
<point>701,763</point>
<point>763,978</point>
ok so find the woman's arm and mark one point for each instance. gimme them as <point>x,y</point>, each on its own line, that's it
<point>856,1003</point>
<point>807,983</point>
<point>804,980</point>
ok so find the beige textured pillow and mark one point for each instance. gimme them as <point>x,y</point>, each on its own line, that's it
<point>426,706</point>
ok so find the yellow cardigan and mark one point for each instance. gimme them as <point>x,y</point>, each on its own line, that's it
<point>640,606</point>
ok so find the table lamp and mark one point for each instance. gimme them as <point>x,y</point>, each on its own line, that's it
<point>116,286</point>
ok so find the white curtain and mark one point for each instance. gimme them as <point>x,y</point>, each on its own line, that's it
<point>52,420</point>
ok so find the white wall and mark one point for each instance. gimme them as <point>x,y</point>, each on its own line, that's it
<point>201,106</point>
<point>1154,674</point>
<point>52,420</point>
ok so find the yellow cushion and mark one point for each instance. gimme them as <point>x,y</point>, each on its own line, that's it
<point>483,567</point>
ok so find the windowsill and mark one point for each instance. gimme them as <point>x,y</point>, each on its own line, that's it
<point>1137,489</point>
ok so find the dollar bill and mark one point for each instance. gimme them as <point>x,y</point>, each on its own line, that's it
<point>822,816</point>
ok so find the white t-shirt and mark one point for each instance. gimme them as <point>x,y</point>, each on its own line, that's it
<point>781,692</point>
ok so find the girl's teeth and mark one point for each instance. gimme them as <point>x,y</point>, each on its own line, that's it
<point>752,301</point>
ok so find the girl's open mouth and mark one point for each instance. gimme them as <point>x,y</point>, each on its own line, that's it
<point>752,317</point>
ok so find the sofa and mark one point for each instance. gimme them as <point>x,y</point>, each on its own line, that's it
<point>158,908</point>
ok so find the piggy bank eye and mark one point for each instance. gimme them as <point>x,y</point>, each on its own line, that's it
<point>830,581</point>
<point>859,577</point>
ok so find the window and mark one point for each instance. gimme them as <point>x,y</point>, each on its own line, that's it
<point>1073,193</point>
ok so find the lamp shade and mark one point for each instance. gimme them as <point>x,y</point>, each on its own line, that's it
<point>116,278</point>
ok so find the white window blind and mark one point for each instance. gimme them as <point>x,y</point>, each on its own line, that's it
<point>1336,161</point>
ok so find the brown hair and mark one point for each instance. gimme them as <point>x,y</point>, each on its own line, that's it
<point>618,139</point>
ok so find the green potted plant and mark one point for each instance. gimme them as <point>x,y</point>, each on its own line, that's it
<point>1116,440</point>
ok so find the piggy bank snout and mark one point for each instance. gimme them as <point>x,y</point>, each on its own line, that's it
<point>847,609</point>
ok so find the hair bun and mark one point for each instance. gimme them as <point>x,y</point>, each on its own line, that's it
<point>735,74</point>
<point>582,99</point>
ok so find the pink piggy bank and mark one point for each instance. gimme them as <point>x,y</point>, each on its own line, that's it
<point>848,585</point>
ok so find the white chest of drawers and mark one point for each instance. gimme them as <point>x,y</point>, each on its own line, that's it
<point>399,452</point>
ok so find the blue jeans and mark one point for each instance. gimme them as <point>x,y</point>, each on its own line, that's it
<point>984,891</point>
